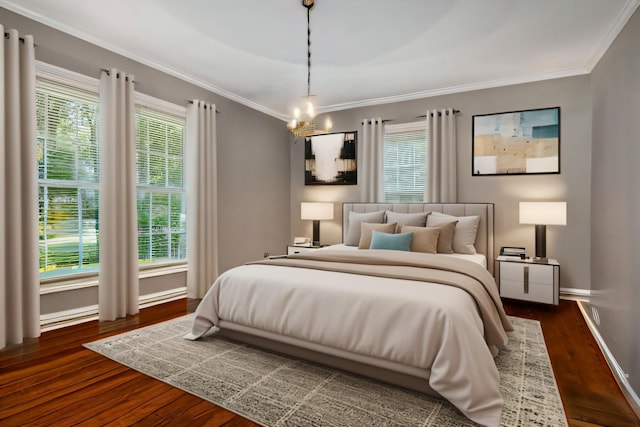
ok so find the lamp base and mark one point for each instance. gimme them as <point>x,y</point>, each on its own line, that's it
<point>541,241</point>
<point>316,232</point>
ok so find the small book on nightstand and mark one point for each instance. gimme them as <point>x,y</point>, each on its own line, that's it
<point>516,253</point>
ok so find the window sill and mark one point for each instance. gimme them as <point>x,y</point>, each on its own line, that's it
<point>64,284</point>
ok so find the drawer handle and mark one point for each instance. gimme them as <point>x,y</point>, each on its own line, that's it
<point>526,279</point>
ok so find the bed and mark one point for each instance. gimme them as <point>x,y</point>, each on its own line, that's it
<point>428,322</point>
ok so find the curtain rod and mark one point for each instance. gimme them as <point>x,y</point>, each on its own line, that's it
<point>417,117</point>
<point>424,116</point>
<point>7,35</point>
<point>191,102</point>
<point>109,73</point>
<point>383,121</point>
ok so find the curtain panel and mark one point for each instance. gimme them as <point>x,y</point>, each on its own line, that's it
<point>372,154</point>
<point>19,275</point>
<point>441,186</point>
<point>118,291</point>
<point>202,194</point>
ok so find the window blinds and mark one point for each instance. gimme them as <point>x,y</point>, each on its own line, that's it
<point>160,183</point>
<point>68,175</point>
<point>405,159</point>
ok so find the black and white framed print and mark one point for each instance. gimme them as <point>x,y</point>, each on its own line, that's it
<point>331,159</point>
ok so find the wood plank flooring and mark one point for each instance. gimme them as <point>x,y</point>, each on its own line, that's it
<point>54,381</point>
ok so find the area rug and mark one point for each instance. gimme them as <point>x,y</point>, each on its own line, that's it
<point>275,390</point>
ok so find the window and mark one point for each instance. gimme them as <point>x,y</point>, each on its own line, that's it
<point>162,234</point>
<point>405,158</point>
<point>68,176</point>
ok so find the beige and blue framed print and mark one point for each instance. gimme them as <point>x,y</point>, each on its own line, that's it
<point>516,142</point>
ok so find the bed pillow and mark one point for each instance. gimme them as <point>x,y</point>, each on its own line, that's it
<point>418,219</point>
<point>367,228</point>
<point>355,219</point>
<point>464,237</point>
<point>395,242</point>
<point>445,238</point>
<point>425,239</point>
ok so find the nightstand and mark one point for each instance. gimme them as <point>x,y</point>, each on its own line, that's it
<point>527,280</point>
<point>294,249</point>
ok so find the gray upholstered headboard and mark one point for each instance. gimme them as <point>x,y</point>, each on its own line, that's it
<point>484,240</point>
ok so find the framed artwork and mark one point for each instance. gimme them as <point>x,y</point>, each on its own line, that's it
<point>516,142</point>
<point>330,159</point>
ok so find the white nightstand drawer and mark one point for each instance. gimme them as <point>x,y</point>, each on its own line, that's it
<point>515,271</point>
<point>292,249</point>
<point>534,292</point>
<point>528,281</point>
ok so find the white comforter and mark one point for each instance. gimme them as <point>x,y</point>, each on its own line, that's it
<point>425,325</point>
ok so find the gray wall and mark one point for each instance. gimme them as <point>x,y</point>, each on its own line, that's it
<point>615,203</point>
<point>253,148</point>
<point>569,244</point>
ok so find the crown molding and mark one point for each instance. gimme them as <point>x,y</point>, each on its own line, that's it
<point>454,89</point>
<point>622,19</point>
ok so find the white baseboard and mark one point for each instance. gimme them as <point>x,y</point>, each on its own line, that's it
<point>616,369</point>
<point>61,319</point>
<point>162,297</point>
<point>575,294</point>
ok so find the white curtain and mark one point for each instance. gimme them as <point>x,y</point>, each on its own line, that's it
<point>202,195</point>
<point>440,186</point>
<point>118,278</point>
<point>372,167</point>
<point>19,276</point>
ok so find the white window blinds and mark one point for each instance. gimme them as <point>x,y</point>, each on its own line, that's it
<point>405,160</point>
<point>68,175</point>
<point>161,203</point>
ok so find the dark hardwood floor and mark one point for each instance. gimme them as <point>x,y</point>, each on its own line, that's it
<point>54,381</point>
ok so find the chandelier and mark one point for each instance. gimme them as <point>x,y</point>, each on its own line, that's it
<point>302,123</point>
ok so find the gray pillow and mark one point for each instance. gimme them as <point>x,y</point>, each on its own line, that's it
<point>355,219</point>
<point>418,219</point>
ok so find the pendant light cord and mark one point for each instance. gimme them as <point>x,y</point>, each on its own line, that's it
<point>308,52</point>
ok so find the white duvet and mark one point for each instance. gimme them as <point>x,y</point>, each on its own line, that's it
<point>428,326</point>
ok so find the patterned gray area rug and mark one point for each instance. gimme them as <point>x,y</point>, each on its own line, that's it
<point>274,390</point>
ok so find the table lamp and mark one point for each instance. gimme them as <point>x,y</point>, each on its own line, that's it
<point>542,214</point>
<point>316,211</point>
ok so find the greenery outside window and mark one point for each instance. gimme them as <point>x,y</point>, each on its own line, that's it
<point>161,203</point>
<point>405,159</point>
<point>68,177</point>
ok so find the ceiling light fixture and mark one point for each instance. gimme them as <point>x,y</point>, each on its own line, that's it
<point>302,123</point>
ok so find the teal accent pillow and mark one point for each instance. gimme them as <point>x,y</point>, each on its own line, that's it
<point>395,242</point>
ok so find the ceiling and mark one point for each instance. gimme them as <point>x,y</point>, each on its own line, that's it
<point>363,52</point>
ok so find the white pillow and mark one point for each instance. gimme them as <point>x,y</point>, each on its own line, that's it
<point>418,219</point>
<point>355,219</point>
<point>464,236</point>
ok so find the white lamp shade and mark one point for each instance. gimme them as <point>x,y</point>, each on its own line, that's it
<point>543,213</point>
<point>316,210</point>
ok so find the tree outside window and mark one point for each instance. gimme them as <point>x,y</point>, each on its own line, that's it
<point>68,171</point>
